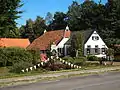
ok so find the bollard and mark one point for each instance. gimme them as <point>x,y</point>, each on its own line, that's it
<point>23,71</point>
<point>34,67</point>
<point>31,68</point>
<point>77,67</point>
<point>69,64</point>
<point>27,69</point>
<point>72,65</point>
<point>66,62</point>
<point>42,63</point>
<point>60,59</point>
<point>57,57</point>
<point>48,59</point>
<point>80,67</point>
<point>63,61</point>
<point>51,57</point>
<point>38,65</point>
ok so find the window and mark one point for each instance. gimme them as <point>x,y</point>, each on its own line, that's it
<point>96,46</point>
<point>96,49</point>
<point>60,51</point>
<point>88,49</point>
<point>95,38</point>
<point>103,50</point>
<point>88,46</point>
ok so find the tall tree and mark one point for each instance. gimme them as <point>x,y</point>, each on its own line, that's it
<point>39,26</point>
<point>59,21</point>
<point>74,15</point>
<point>76,45</point>
<point>8,14</point>
<point>33,29</point>
<point>49,18</point>
<point>112,19</point>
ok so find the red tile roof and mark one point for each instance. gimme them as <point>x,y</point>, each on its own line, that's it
<point>14,42</point>
<point>43,42</point>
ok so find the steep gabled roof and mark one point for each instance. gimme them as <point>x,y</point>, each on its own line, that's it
<point>86,35</point>
<point>44,41</point>
<point>14,42</point>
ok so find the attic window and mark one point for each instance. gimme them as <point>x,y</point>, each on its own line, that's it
<point>95,38</point>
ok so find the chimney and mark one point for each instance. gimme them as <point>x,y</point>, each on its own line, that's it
<point>45,31</point>
<point>67,32</point>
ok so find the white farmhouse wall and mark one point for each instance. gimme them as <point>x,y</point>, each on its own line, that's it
<point>60,45</point>
<point>53,47</point>
<point>93,43</point>
<point>99,42</point>
<point>63,41</point>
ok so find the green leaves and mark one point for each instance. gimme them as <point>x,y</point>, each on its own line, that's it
<point>8,14</point>
<point>33,29</point>
<point>18,58</point>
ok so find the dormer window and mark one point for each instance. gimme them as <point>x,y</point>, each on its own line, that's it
<point>95,38</point>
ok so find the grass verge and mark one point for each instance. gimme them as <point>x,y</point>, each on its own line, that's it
<point>21,82</point>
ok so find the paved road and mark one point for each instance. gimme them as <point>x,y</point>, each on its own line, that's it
<point>106,81</point>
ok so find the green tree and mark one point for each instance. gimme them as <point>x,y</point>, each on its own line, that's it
<point>112,19</point>
<point>29,31</point>
<point>49,18</point>
<point>33,29</point>
<point>8,14</point>
<point>110,55</point>
<point>74,15</point>
<point>39,26</point>
<point>76,45</point>
<point>59,21</point>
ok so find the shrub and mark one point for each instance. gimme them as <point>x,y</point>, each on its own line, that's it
<point>93,58</point>
<point>18,58</point>
<point>117,58</point>
<point>55,67</point>
<point>77,60</point>
<point>68,59</point>
<point>80,61</point>
<point>17,67</point>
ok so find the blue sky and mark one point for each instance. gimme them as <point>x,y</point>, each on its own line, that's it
<point>33,8</point>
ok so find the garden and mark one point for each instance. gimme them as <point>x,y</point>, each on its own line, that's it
<point>13,60</point>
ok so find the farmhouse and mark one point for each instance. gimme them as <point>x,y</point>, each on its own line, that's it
<point>94,45</point>
<point>60,42</point>
<point>52,40</point>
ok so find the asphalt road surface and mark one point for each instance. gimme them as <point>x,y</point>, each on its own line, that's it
<point>106,81</point>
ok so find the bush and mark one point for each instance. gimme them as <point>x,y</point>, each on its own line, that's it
<point>18,58</point>
<point>77,60</point>
<point>68,59</point>
<point>117,58</point>
<point>55,67</point>
<point>80,61</point>
<point>17,67</point>
<point>92,58</point>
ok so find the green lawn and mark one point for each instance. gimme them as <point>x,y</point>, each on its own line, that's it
<point>4,72</point>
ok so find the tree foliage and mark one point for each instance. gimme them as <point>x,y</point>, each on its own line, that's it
<point>105,18</point>
<point>59,21</point>
<point>76,45</point>
<point>18,58</point>
<point>8,14</point>
<point>33,29</point>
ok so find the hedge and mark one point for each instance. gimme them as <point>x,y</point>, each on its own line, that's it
<point>18,58</point>
<point>76,60</point>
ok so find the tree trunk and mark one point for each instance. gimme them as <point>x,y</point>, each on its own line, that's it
<point>76,53</point>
